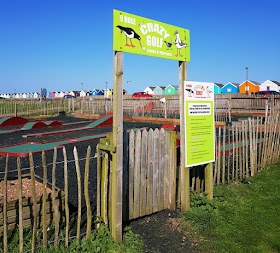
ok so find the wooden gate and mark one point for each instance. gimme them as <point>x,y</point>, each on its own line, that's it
<point>149,173</point>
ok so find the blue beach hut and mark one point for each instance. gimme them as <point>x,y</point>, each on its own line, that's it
<point>231,88</point>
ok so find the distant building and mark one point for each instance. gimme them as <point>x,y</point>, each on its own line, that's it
<point>270,85</point>
<point>218,88</point>
<point>249,87</point>
<point>171,90</point>
<point>159,90</point>
<point>150,90</point>
<point>231,88</point>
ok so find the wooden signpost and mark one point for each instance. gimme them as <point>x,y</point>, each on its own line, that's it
<point>134,34</point>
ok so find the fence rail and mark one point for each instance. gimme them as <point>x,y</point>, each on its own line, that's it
<point>225,106</point>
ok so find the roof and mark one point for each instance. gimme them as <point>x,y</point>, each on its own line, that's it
<point>174,86</point>
<point>276,82</point>
<point>254,82</point>
<point>162,87</point>
<point>219,85</point>
<point>151,87</point>
<point>234,84</point>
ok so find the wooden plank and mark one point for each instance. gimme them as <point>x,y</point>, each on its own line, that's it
<point>161,168</point>
<point>5,234</point>
<point>13,215</point>
<point>86,193</point>
<point>44,226</point>
<point>54,202</point>
<point>229,156</point>
<point>79,193</point>
<point>233,153</point>
<point>155,171</point>
<point>251,148</point>
<point>208,180</point>
<point>149,205</point>
<point>131,172</point>
<point>66,198</point>
<point>172,172</point>
<point>166,170</point>
<point>20,222</point>
<point>34,202</point>
<point>143,193</point>
<point>240,153</point>
<point>246,151</point>
<point>137,174</point>
<point>224,156</point>
<point>219,159</point>
<point>104,192</point>
<point>237,152</point>
<point>98,183</point>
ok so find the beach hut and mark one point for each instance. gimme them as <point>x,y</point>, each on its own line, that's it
<point>150,90</point>
<point>159,90</point>
<point>52,94</point>
<point>231,88</point>
<point>100,93</point>
<point>31,95</point>
<point>35,95</point>
<point>95,92</point>
<point>48,95</point>
<point>270,85</point>
<point>249,87</point>
<point>83,93</point>
<point>171,90</point>
<point>218,88</point>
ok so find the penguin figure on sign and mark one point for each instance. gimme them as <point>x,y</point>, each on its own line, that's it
<point>169,44</point>
<point>130,34</point>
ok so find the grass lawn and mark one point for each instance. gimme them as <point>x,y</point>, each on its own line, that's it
<point>242,217</point>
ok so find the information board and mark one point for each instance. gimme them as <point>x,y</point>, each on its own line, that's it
<point>199,123</point>
<point>138,35</point>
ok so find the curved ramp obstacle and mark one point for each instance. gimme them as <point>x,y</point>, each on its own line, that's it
<point>12,121</point>
<point>105,121</point>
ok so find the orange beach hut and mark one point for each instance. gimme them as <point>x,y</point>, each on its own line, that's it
<point>249,87</point>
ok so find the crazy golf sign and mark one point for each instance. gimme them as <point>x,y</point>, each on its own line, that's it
<point>138,35</point>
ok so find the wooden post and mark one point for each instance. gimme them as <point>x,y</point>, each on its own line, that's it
<point>86,193</point>
<point>55,207</point>
<point>20,211</point>
<point>44,211</point>
<point>224,156</point>
<point>5,234</point>
<point>66,197</point>
<point>79,193</point>
<point>34,202</point>
<point>117,157</point>
<point>185,172</point>
<point>209,180</point>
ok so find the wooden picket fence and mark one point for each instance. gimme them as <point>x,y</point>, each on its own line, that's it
<point>54,207</point>
<point>149,174</point>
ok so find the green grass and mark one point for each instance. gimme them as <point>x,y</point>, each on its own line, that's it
<point>241,218</point>
<point>99,241</point>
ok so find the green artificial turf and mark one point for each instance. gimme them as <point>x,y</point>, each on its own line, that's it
<point>242,217</point>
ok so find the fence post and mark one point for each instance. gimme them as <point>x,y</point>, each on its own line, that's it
<point>20,213</point>
<point>5,234</point>
<point>209,180</point>
<point>185,172</point>
<point>66,197</point>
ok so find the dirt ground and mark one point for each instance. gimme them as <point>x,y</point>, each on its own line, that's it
<point>161,232</point>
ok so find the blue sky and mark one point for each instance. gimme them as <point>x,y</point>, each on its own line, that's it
<point>59,44</point>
